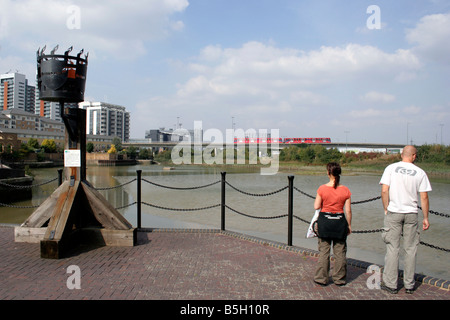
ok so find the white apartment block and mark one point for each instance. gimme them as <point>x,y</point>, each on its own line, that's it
<point>106,119</point>
<point>50,110</point>
<point>16,93</point>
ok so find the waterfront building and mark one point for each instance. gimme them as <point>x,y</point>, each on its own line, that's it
<point>107,119</point>
<point>28,125</point>
<point>180,134</point>
<point>16,93</point>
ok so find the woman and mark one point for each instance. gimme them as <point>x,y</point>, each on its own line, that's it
<point>332,198</point>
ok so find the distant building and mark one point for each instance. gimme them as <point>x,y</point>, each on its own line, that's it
<point>16,93</point>
<point>50,110</point>
<point>25,125</point>
<point>21,109</point>
<point>107,119</point>
<point>22,120</point>
<point>158,135</point>
<point>163,135</point>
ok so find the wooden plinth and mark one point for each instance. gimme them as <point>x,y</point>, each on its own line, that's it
<point>75,213</point>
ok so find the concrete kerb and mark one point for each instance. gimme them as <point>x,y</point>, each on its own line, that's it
<point>440,283</point>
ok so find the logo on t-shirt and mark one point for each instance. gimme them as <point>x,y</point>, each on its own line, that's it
<point>405,171</point>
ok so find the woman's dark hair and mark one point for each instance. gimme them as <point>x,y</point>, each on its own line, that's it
<point>334,169</point>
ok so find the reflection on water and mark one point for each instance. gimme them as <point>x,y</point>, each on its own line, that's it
<point>366,216</point>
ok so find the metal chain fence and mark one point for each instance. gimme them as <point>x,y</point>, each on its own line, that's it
<point>222,205</point>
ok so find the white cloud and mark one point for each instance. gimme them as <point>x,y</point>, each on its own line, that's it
<point>368,113</point>
<point>378,97</point>
<point>412,110</point>
<point>261,68</point>
<point>431,37</point>
<point>289,85</point>
<point>107,27</point>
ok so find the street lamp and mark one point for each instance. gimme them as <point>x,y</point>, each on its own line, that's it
<point>346,136</point>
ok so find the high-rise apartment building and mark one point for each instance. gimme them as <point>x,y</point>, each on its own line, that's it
<point>107,119</point>
<point>16,93</point>
<point>48,109</point>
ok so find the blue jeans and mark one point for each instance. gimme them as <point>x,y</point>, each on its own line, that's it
<point>396,225</point>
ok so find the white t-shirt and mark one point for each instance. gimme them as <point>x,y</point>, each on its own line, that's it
<point>405,181</point>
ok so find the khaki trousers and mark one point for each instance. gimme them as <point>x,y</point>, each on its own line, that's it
<point>397,225</point>
<point>340,263</point>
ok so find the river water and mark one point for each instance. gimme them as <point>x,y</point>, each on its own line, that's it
<point>366,216</point>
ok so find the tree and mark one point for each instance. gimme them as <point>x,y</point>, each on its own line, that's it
<point>112,149</point>
<point>117,143</point>
<point>49,145</point>
<point>131,152</point>
<point>89,147</point>
<point>33,143</point>
<point>145,153</point>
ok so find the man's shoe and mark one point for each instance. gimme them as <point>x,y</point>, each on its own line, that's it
<point>386,288</point>
<point>409,291</point>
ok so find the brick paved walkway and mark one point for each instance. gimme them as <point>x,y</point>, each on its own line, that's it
<point>182,266</point>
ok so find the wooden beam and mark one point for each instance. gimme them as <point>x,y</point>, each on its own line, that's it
<point>52,246</point>
<point>108,237</point>
<point>44,212</point>
<point>103,211</point>
<point>29,235</point>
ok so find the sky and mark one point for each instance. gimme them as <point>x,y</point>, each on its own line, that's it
<point>356,71</point>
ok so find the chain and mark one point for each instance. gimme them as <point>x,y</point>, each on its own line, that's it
<point>218,205</point>
<point>367,231</point>
<point>27,187</point>
<point>257,194</point>
<point>434,247</point>
<point>365,201</point>
<point>256,217</point>
<point>177,209</point>
<point>437,213</point>
<point>18,207</point>
<point>127,205</point>
<point>119,186</point>
<point>304,193</point>
<point>302,220</point>
<point>181,188</point>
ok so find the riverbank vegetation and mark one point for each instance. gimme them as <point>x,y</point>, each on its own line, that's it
<point>310,159</point>
<point>435,159</point>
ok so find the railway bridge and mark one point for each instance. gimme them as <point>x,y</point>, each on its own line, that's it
<point>339,145</point>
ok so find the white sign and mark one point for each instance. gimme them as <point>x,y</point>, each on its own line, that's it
<point>72,158</point>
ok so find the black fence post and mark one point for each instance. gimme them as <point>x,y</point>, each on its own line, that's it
<point>290,208</point>
<point>60,171</point>
<point>139,172</point>
<point>222,208</point>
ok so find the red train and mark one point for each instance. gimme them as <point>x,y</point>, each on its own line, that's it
<point>282,140</point>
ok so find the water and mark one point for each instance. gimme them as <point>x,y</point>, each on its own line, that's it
<point>368,216</point>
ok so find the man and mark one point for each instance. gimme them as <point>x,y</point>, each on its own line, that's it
<point>401,184</point>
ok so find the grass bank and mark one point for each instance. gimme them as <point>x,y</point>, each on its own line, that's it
<point>375,167</point>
